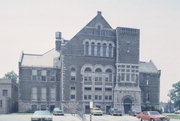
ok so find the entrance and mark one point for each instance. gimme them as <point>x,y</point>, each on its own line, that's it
<point>127,105</point>
<point>87,109</point>
<point>107,109</point>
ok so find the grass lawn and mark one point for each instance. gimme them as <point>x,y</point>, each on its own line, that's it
<point>174,116</point>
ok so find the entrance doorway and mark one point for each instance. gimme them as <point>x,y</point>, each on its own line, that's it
<point>87,109</point>
<point>127,105</point>
<point>107,109</point>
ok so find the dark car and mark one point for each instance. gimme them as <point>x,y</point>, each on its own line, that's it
<point>115,112</point>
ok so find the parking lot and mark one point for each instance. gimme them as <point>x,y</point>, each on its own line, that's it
<point>69,117</point>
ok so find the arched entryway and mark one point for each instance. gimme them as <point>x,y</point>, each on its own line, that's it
<point>127,105</point>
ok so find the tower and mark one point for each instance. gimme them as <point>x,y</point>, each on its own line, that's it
<point>127,94</point>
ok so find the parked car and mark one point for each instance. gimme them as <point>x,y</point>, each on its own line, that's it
<point>115,112</point>
<point>153,116</point>
<point>177,112</point>
<point>57,111</point>
<point>96,111</point>
<point>41,116</point>
<point>132,113</point>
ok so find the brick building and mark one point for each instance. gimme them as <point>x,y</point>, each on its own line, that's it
<point>98,64</point>
<point>8,96</point>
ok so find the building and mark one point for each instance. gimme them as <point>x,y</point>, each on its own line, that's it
<point>98,64</point>
<point>8,96</point>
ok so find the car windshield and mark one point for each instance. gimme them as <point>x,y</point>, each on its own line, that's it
<point>42,113</point>
<point>154,113</point>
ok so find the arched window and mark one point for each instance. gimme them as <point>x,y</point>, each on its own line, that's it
<point>98,70</point>
<point>98,30</point>
<point>72,74</point>
<point>87,48</point>
<point>109,71</point>
<point>92,48</point>
<point>110,50</point>
<point>98,49</point>
<point>73,69</point>
<point>104,50</point>
<point>87,70</point>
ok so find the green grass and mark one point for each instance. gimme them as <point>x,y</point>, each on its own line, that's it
<point>174,116</point>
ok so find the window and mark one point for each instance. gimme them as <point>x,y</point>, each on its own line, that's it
<point>122,76</point>
<point>73,78</point>
<point>73,97</point>
<point>98,70</point>
<point>43,93</point>
<point>89,97</point>
<point>98,49</point>
<point>87,88</point>
<point>34,107</point>
<point>87,69</point>
<point>127,77</point>
<point>100,97</point>
<point>43,78</point>
<point>98,30</point>
<point>34,75</point>
<point>53,94</point>
<point>87,78</point>
<point>96,97</point>
<point>106,97</point>
<point>109,71</point>
<point>92,48</point>
<point>104,50</point>
<point>98,89</point>
<point>34,78</point>
<point>5,92</point>
<point>110,97</point>
<point>108,89</point>
<point>73,74</point>
<point>43,107</point>
<point>85,97</point>
<point>86,48</point>
<point>133,77</point>
<point>34,93</point>
<point>73,88</point>
<point>147,82</point>
<point>110,50</point>
<point>1,103</point>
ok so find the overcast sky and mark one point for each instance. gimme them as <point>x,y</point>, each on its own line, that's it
<point>30,25</point>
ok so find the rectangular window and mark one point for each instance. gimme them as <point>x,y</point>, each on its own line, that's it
<point>73,97</point>
<point>85,78</point>
<point>106,97</point>
<point>122,77</point>
<point>53,94</point>
<point>34,94</point>
<point>1,103</point>
<point>147,82</point>
<point>87,88</point>
<point>110,97</point>
<point>132,77</point>
<point>85,97</point>
<point>108,89</point>
<point>100,97</point>
<point>43,78</point>
<point>98,89</point>
<point>96,97</point>
<point>43,94</point>
<point>89,97</point>
<point>34,107</point>
<point>52,78</point>
<point>5,92</point>
<point>73,78</point>
<point>127,77</point>
<point>43,107</point>
<point>106,79</point>
<point>34,72</point>
<point>73,88</point>
<point>34,78</point>
<point>96,78</point>
<point>44,73</point>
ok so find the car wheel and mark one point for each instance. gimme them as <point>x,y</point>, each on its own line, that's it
<point>151,120</point>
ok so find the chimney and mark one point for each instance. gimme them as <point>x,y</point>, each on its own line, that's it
<point>58,41</point>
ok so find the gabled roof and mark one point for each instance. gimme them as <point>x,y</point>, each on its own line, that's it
<point>37,60</point>
<point>147,67</point>
<point>99,20</point>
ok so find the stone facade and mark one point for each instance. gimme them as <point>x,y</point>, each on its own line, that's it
<point>98,64</point>
<point>8,96</point>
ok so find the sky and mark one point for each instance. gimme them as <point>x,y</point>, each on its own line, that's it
<point>29,26</point>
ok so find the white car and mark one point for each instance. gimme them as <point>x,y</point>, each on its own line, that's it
<point>177,112</point>
<point>41,116</point>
